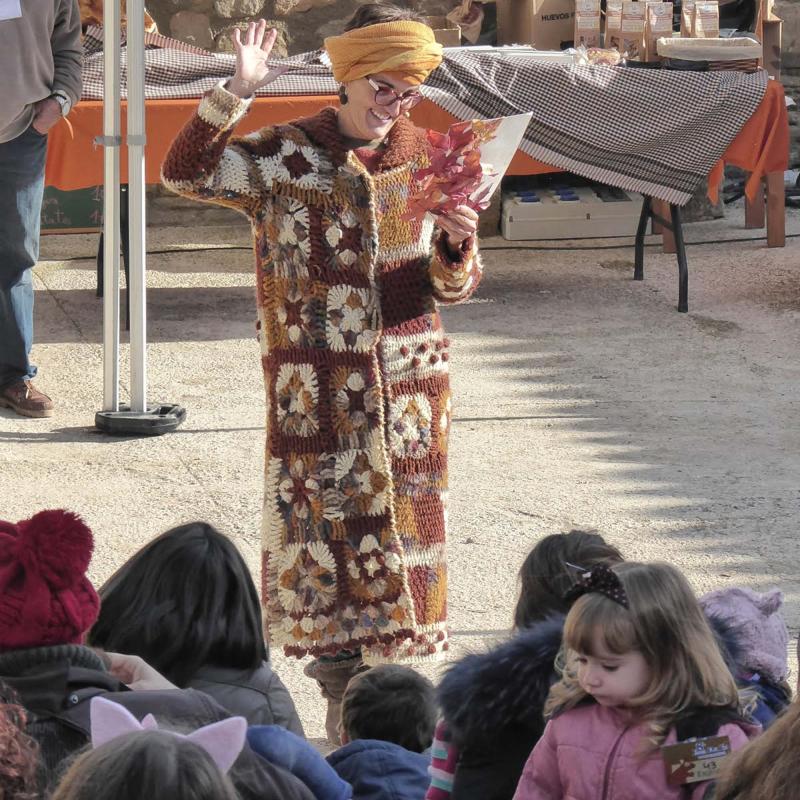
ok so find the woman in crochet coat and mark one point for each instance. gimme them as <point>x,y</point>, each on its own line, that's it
<point>354,355</point>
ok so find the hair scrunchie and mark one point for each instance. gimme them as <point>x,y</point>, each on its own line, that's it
<point>406,47</point>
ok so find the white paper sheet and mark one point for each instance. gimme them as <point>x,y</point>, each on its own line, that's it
<point>496,154</point>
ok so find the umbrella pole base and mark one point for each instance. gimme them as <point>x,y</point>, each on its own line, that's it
<point>157,420</point>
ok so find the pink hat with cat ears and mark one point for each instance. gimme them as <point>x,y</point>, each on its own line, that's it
<point>223,740</point>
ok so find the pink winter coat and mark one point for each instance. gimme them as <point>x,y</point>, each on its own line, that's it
<point>592,753</point>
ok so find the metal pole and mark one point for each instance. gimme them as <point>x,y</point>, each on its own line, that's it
<point>136,198</point>
<point>111,233</point>
<point>138,419</point>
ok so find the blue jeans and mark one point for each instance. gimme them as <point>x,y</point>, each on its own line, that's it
<point>21,187</point>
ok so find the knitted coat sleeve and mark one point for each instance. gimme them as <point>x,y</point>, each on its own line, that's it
<point>455,280</point>
<point>203,164</point>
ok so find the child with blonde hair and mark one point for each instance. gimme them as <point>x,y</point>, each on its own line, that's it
<point>642,671</point>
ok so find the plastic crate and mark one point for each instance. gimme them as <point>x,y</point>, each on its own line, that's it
<point>564,210</point>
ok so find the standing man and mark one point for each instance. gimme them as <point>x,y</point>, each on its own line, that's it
<point>40,80</point>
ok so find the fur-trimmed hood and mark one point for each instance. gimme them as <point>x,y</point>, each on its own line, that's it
<point>483,694</point>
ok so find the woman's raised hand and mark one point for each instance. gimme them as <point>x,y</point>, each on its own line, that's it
<point>253,47</point>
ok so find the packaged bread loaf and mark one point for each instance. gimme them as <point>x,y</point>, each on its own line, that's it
<point>613,37</point>
<point>659,24</point>
<point>587,23</point>
<point>705,19</point>
<point>634,16</point>
<point>687,14</point>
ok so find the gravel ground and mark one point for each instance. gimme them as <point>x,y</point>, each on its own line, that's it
<point>582,399</point>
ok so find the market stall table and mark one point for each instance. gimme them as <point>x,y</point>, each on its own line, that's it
<point>761,148</point>
<point>75,162</point>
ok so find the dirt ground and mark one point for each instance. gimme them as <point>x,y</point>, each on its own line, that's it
<point>582,399</point>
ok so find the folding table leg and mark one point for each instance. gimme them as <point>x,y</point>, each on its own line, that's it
<point>667,233</point>
<point>125,242</point>
<point>644,218</point>
<point>754,212</point>
<point>99,263</point>
<point>776,210</point>
<point>126,249</point>
<point>683,265</point>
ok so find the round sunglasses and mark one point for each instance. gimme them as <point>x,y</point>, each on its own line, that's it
<point>386,96</point>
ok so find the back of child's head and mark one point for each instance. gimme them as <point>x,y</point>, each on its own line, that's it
<point>664,622</point>
<point>18,753</point>
<point>184,601</point>
<point>390,703</point>
<point>149,764</point>
<point>769,767</point>
<point>549,571</point>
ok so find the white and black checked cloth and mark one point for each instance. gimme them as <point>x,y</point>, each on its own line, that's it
<point>656,132</point>
<point>171,73</point>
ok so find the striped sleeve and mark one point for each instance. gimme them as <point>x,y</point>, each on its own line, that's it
<point>444,758</point>
<point>455,280</point>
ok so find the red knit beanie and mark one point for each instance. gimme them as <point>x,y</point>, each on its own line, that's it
<point>45,596</point>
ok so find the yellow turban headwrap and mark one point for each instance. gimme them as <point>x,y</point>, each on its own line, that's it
<point>405,47</point>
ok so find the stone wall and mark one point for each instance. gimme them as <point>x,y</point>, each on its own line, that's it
<point>302,24</point>
<point>789,12</point>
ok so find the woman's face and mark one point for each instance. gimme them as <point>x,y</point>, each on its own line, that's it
<point>365,118</point>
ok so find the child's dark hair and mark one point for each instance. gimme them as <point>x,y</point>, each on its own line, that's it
<point>545,575</point>
<point>390,703</point>
<point>377,13</point>
<point>151,764</point>
<point>185,600</point>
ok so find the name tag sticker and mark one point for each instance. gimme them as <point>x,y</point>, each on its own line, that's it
<point>696,760</point>
<point>10,9</point>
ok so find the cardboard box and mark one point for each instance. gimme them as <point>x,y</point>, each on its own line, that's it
<point>543,24</point>
<point>447,33</point>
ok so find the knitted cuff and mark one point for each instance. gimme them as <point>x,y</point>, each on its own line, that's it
<point>221,109</point>
<point>446,256</point>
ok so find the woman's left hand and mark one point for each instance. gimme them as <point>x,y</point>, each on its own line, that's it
<point>459,225</point>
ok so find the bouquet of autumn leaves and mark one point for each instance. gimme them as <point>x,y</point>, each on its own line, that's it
<point>456,174</point>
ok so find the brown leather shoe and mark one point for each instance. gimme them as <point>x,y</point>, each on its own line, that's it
<point>24,398</point>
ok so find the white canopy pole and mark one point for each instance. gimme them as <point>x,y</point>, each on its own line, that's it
<point>111,140</point>
<point>137,289</point>
<point>138,419</point>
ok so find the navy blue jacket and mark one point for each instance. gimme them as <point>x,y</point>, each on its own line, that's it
<point>382,770</point>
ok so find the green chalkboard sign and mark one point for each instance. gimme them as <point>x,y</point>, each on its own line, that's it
<point>79,211</point>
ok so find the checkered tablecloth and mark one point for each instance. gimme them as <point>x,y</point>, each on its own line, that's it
<point>651,131</point>
<point>175,72</point>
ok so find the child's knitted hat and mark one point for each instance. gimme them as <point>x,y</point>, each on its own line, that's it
<point>760,629</point>
<point>45,596</point>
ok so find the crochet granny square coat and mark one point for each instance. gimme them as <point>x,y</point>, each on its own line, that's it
<point>356,372</point>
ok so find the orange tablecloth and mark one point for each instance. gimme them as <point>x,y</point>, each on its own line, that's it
<point>74,162</point>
